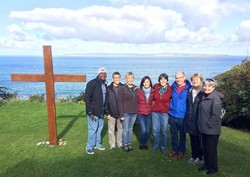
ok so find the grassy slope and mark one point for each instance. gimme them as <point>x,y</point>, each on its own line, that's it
<point>24,124</point>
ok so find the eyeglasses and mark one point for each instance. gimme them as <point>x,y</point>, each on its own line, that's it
<point>179,77</point>
<point>209,80</point>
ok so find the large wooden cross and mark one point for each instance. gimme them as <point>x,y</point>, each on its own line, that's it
<point>49,78</point>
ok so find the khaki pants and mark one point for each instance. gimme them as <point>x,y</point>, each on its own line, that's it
<point>111,129</point>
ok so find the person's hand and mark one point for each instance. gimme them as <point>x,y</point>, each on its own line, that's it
<point>92,117</point>
<point>108,117</point>
<point>122,118</point>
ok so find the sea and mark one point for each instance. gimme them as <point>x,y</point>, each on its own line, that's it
<point>140,65</point>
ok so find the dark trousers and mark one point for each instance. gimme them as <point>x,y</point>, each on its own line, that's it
<point>178,136</point>
<point>195,146</point>
<point>209,147</point>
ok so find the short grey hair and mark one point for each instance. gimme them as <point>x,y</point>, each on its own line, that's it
<point>211,82</point>
<point>130,74</point>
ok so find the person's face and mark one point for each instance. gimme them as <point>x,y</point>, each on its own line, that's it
<point>116,79</point>
<point>146,83</point>
<point>196,82</point>
<point>102,76</point>
<point>180,79</point>
<point>208,88</point>
<point>163,82</point>
<point>129,80</point>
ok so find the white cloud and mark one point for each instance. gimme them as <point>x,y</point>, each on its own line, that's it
<point>242,33</point>
<point>16,32</point>
<point>135,26</point>
<point>196,13</point>
<point>129,24</point>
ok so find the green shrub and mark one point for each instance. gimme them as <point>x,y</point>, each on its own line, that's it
<point>36,98</point>
<point>6,94</point>
<point>235,84</point>
<point>80,97</point>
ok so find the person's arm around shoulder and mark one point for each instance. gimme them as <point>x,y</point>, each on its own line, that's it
<point>120,102</point>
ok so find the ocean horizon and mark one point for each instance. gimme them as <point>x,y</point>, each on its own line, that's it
<point>141,65</point>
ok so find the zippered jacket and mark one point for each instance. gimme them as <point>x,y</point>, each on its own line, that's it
<point>94,99</point>
<point>161,102</point>
<point>209,120</point>
<point>190,121</point>
<point>179,105</point>
<point>112,102</point>
<point>145,106</point>
<point>127,100</point>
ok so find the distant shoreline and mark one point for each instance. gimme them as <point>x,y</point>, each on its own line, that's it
<point>136,55</point>
<point>141,65</point>
<point>128,55</point>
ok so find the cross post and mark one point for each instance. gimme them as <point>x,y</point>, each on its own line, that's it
<point>49,78</point>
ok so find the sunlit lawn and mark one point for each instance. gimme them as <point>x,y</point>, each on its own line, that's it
<point>24,124</point>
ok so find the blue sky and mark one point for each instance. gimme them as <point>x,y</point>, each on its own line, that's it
<point>79,27</point>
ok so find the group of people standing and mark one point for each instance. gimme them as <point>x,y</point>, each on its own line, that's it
<point>193,108</point>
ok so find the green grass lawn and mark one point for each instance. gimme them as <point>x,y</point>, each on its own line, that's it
<point>24,124</point>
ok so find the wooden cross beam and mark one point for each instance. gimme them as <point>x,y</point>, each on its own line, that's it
<point>49,78</point>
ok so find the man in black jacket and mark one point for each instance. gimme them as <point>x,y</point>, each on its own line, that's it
<point>95,98</point>
<point>113,111</point>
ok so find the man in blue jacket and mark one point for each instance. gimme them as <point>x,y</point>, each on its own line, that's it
<point>95,99</point>
<point>177,113</point>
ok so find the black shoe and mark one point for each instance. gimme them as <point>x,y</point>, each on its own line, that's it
<point>202,168</point>
<point>141,147</point>
<point>209,172</point>
<point>145,146</point>
<point>163,151</point>
<point>130,147</point>
<point>125,148</point>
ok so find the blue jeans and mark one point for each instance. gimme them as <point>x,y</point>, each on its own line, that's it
<point>94,132</point>
<point>177,128</point>
<point>144,122</point>
<point>160,124</point>
<point>128,123</point>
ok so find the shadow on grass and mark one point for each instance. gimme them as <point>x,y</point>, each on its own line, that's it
<point>55,168</point>
<point>233,162</point>
<point>70,124</point>
<point>102,164</point>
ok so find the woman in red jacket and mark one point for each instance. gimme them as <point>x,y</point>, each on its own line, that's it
<point>145,98</point>
<point>160,110</point>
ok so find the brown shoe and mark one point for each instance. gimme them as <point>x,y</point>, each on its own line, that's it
<point>172,154</point>
<point>180,155</point>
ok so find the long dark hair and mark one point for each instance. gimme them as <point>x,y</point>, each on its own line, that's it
<point>143,80</point>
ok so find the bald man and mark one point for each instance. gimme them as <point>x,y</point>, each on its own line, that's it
<point>177,113</point>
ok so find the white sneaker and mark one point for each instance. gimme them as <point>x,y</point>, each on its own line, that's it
<point>120,145</point>
<point>89,151</point>
<point>101,148</point>
<point>197,161</point>
<point>191,160</point>
<point>112,147</point>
